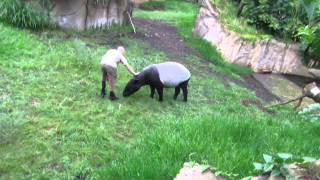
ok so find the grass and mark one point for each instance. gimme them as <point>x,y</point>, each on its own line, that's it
<point>54,125</point>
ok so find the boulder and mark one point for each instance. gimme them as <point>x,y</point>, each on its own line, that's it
<point>262,55</point>
<point>195,173</point>
<point>85,14</point>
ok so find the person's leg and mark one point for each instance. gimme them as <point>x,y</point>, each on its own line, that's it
<point>112,81</point>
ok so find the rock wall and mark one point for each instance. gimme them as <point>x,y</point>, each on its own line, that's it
<point>261,56</point>
<point>85,14</point>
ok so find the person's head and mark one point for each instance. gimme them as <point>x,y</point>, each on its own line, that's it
<point>121,50</point>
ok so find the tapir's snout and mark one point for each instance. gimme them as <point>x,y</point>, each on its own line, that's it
<point>130,89</point>
<point>125,94</point>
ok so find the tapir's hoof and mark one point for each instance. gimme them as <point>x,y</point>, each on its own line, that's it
<point>103,95</point>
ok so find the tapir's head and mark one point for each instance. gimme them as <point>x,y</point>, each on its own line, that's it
<point>133,85</point>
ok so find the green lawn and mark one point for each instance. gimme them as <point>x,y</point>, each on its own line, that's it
<point>54,124</point>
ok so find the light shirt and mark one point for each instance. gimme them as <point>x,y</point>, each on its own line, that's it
<point>171,74</point>
<point>112,58</point>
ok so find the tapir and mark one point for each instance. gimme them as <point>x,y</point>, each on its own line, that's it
<point>159,76</point>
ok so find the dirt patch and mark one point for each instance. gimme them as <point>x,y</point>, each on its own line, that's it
<point>161,36</point>
<point>258,104</point>
<point>164,37</point>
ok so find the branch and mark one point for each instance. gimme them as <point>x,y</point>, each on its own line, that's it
<point>134,29</point>
<point>287,102</point>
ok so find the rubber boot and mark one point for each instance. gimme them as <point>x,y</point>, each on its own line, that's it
<point>113,96</point>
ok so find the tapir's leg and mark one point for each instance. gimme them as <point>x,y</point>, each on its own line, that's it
<point>184,87</point>
<point>160,92</point>
<point>176,92</point>
<point>152,88</point>
<point>103,84</point>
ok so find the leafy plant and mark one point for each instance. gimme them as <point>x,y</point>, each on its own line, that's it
<point>276,165</point>
<point>310,33</point>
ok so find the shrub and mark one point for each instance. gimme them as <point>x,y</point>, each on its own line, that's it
<point>278,17</point>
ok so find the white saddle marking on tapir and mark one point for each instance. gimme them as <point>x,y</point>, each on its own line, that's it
<point>171,74</point>
<point>315,91</point>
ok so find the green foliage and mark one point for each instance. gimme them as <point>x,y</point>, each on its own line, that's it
<point>278,17</point>
<point>277,165</point>
<point>20,14</point>
<point>287,19</point>
<point>310,39</point>
<point>228,16</point>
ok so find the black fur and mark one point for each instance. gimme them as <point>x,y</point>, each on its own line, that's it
<point>151,77</point>
<point>103,89</point>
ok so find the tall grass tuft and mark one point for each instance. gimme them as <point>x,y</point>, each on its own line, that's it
<point>20,14</point>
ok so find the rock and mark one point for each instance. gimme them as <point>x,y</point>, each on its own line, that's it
<point>85,14</point>
<point>195,173</point>
<point>262,55</point>
<point>265,177</point>
<point>315,72</point>
<point>312,172</point>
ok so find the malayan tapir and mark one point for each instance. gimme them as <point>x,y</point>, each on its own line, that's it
<point>159,76</point>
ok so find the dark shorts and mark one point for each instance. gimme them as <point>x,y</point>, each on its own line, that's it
<point>110,72</point>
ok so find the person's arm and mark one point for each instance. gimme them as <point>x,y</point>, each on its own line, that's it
<point>129,68</point>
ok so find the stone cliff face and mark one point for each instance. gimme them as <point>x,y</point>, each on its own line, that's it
<point>261,56</point>
<point>85,14</point>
